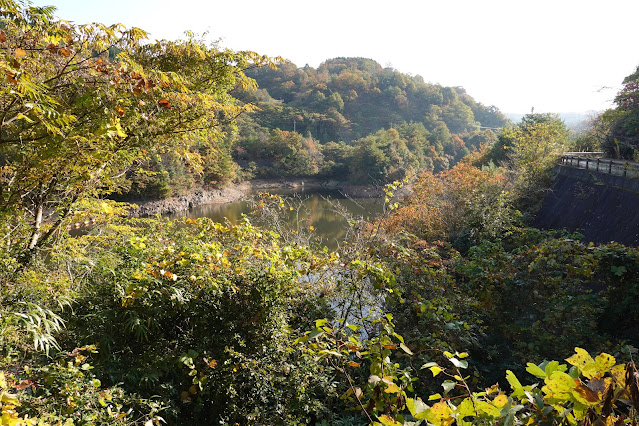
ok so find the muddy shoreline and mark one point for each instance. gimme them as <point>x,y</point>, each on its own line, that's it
<point>243,190</point>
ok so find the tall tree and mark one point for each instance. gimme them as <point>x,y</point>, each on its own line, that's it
<point>622,140</point>
<point>80,103</point>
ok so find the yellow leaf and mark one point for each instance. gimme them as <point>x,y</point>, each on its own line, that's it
<point>440,414</point>
<point>591,368</point>
<point>500,400</point>
<point>392,388</point>
<point>9,398</point>
<point>580,358</point>
<point>619,373</point>
<point>388,421</point>
<point>106,208</point>
<point>19,53</point>
<point>559,385</point>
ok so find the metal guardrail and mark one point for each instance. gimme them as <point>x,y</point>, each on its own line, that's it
<point>590,161</point>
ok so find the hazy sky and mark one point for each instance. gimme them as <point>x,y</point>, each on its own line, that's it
<point>553,55</point>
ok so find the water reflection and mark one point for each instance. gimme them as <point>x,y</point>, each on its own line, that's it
<point>323,210</point>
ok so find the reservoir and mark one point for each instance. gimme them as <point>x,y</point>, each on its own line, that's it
<point>321,216</point>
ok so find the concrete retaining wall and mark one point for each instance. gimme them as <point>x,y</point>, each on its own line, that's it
<point>602,207</point>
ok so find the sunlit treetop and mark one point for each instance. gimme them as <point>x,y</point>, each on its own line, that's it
<point>81,103</point>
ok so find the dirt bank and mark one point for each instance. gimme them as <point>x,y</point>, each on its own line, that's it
<point>191,199</point>
<point>237,192</point>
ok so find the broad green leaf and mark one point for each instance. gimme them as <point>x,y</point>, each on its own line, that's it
<point>553,366</point>
<point>448,385</point>
<point>487,408</point>
<point>535,370</point>
<point>315,333</point>
<point>515,384</point>
<point>466,409</point>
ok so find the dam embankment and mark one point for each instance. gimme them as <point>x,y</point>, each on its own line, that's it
<point>601,206</point>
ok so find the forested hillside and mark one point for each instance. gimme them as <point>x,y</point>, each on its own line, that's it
<point>346,111</point>
<point>345,99</point>
<point>447,309</point>
<point>349,120</point>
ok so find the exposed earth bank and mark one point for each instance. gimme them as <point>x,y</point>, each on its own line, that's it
<point>602,207</point>
<point>239,191</point>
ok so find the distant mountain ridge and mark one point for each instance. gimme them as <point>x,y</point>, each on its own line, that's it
<point>572,120</point>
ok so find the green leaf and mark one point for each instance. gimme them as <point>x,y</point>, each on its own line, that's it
<point>448,385</point>
<point>553,366</point>
<point>315,333</point>
<point>515,384</point>
<point>535,370</point>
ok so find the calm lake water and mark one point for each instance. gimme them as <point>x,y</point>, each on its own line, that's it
<point>324,211</point>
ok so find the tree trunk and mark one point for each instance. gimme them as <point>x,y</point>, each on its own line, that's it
<point>36,227</point>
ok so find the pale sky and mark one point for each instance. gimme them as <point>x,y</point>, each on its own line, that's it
<point>553,55</point>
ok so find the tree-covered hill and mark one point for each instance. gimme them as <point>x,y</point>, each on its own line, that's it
<point>351,119</point>
<point>345,99</point>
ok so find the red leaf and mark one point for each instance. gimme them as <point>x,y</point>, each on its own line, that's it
<point>164,103</point>
<point>23,384</point>
<point>3,37</point>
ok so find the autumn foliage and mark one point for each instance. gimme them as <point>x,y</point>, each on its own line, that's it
<point>463,202</point>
